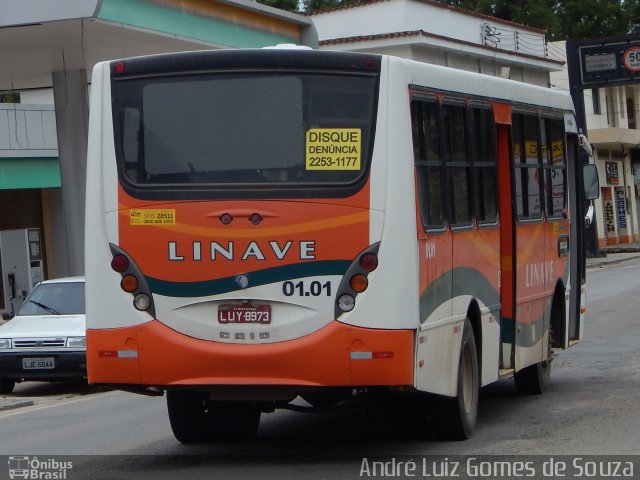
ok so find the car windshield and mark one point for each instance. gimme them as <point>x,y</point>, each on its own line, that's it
<point>64,298</point>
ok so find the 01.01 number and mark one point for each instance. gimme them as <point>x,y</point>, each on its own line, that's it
<point>313,289</point>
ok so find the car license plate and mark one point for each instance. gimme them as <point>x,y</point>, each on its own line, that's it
<point>40,363</point>
<point>244,314</point>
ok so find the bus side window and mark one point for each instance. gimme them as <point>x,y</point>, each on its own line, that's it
<point>483,149</point>
<point>426,143</point>
<point>526,148</point>
<point>132,144</point>
<point>555,168</point>
<point>455,135</point>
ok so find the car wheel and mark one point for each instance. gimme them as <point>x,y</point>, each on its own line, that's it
<point>6,385</point>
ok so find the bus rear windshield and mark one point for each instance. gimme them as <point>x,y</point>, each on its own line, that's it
<point>238,131</point>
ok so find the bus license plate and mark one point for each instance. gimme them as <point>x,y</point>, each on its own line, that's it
<point>244,314</point>
<point>41,363</point>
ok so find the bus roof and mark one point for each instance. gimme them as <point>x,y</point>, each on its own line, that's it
<point>419,73</point>
<point>482,85</point>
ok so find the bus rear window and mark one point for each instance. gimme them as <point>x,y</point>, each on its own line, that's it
<point>226,132</point>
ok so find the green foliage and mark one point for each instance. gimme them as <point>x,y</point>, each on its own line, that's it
<point>310,6</point>
<point>562,19</point>
<point>307,6</point>
<point>289,5</point>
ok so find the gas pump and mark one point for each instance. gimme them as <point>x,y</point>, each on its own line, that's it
<point>21,265</point>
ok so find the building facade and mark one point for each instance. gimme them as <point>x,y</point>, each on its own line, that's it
<point>612,128</point>
<point>430,32</point>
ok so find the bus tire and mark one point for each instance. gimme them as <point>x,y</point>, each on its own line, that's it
<point>187,416</point>
<point>6,385</point>
<point>459,414</point>
<point>534,379</point>
<point>233,421</point>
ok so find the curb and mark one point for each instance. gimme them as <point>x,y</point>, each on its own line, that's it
<point>613,261</point>
<point>13,404</point>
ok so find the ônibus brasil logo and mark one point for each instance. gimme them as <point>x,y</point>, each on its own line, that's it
<point>38,469</point>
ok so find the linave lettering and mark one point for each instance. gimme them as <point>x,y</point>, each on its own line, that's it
<point>231,250</point>
<point>538,273</point>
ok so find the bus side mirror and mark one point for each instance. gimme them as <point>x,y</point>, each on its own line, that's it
<point>591,182</point>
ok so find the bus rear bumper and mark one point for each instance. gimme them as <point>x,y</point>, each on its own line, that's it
<point>152,354</point>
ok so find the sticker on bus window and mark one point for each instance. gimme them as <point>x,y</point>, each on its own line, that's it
<point>165,216</point>
<point>333,148</point>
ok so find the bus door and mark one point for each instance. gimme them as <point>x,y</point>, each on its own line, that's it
<point>530,265</point>
<point>575,314</point>
<point>502,117</point>
<point>583,189</point>
<point>557,262</point>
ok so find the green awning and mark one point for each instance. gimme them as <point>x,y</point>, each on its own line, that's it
<point>17,173</point>
<point>184,19</point>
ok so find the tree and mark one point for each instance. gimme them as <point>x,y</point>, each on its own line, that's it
<point>592,18</point>
<point>307,6</point>
<point>562,19</point>
<point>310,6</point>
<point>289,5</point>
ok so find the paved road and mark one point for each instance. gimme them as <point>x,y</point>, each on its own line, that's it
<point>591,408</point>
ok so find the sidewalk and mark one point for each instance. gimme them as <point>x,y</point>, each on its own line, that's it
<point>615,254</point>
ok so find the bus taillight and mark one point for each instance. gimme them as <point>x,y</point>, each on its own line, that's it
<point>359,283</point>
<point>120,263</point>
<point>142,302</point>
<point>346,302</point>
<point>369,262</point>
<point>355,280</point>
<point>129,283</point>
<point>132,281</point>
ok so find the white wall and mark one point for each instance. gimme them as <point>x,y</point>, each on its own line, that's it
<point>27,131</point>
<point>437,34</point>
<point>42,96</point>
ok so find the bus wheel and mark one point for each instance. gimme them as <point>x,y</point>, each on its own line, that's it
<point>459,414</point>
<point>187,416</point>
<point>6,385</point>
<point>534,379</point>
<point>234,421</point>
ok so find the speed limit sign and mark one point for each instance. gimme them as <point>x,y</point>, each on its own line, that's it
<point>631,59</point>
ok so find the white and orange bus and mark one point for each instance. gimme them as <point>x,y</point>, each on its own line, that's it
<point>270,224</point>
